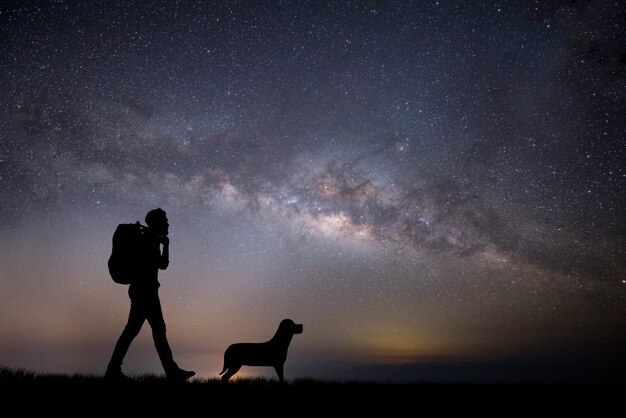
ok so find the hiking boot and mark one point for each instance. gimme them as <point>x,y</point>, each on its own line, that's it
<point>116,376</point>
<point>179,374</point>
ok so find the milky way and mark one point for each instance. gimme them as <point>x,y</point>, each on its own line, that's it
<point>411,180</point>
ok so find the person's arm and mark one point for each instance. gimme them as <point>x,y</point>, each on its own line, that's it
<point>164,260</point>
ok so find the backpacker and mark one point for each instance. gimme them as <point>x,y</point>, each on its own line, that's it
<point>125,260</point>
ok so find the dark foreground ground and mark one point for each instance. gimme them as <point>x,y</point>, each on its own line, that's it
<point>152,394</point>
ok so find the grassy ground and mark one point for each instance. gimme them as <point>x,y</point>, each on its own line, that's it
<point>151,394</point>
<point>154,392</point>
<point>22,376</point>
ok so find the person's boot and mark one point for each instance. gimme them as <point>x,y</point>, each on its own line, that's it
<point>178,374</point>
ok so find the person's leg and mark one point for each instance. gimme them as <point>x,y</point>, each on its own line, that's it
<point>154,314</point>
<point>136,318</point>
<point>157,323</point>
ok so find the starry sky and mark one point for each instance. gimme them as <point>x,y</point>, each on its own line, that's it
<point>428,181</point>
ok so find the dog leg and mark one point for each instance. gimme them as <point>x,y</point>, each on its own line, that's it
<point>279,372</point>
<point>230,373</point>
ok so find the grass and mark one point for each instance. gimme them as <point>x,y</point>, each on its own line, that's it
<point>152,394</point>
<point>151,391</point>
<point>23,376</point>
<point>201,388</point>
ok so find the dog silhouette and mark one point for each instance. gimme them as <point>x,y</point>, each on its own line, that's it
<point>272,353</point>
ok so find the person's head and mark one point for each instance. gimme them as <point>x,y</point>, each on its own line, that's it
<point>156,219</point>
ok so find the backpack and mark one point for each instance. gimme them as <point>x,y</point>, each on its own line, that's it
<point>125,260</point>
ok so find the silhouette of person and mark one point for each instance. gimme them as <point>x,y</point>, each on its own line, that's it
<point>144,301</point>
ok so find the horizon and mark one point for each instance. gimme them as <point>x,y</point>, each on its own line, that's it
<point>414,182</point>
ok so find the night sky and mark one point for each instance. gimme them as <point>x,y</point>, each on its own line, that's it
<point>428,181</point>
